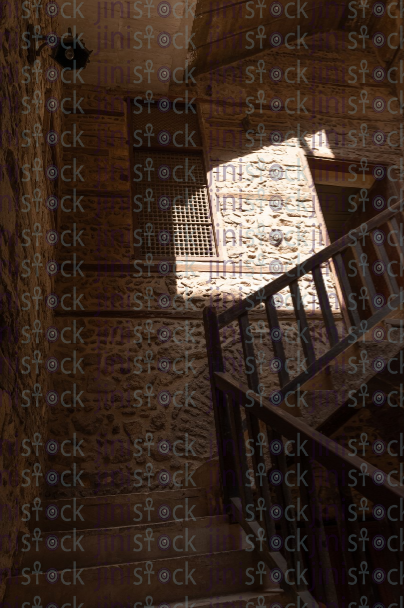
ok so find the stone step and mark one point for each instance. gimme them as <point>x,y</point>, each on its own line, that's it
<point>119,510</point>
<point>265,599</point>
<point>160,580</point>
<point>132,543</point>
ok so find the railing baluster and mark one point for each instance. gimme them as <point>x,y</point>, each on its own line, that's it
<point>236,426</point>
<point>391,559</point>
<point>330,326</point>
<point>303,326</point>
<point>220,409</point>
<point>311,531</point>
<point>279,351</point>
<point>248,352</point>
<point>254,428</point>
<point>284,495</point>
<point>366,278</point>
<point>395,232</point>
<point>359,555</point>
<point>281,493</point>
<point>329,585</point>
<point>354,594</point>
<point>346,289</point>
<point>392,528</point>
<point>389,278</point>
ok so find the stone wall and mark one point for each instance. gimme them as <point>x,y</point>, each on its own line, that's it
<point>143,366</point>
<point>24,254</point>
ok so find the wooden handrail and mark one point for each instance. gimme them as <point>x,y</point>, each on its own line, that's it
<point>340,347</point>
<point>248,303</point>
<point>327,451</point>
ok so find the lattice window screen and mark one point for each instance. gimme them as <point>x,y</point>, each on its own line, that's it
<point>175,219</point>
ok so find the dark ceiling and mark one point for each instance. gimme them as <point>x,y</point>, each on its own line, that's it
<point>225,32</point>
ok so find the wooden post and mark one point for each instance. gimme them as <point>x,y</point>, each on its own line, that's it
<point>227,464</point>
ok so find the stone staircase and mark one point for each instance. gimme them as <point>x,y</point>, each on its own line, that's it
<point>162,548</point>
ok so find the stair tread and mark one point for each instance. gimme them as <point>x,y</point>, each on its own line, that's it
<point>212,573</point>
<point>179,558</point>
<point>242,596</point>
<point>170,523</point>
<point>114,510</point>
<point>116,498</point>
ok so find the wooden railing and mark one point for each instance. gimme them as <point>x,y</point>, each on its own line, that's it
<point>255,487</point>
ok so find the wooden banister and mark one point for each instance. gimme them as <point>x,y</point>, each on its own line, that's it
<point>243,412</point>
<point>308,265</point>
<point>332,454</point>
